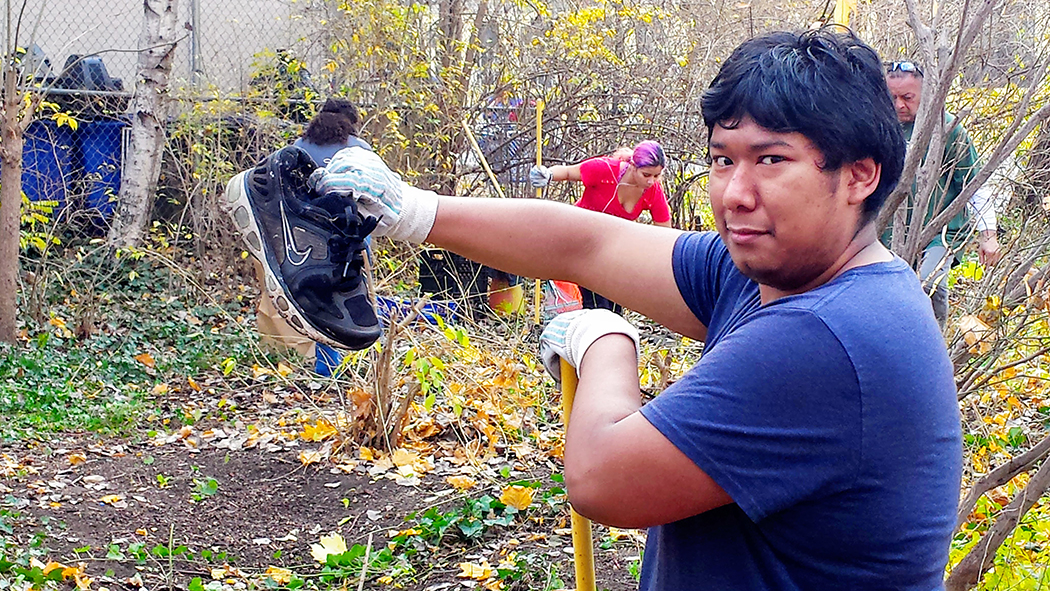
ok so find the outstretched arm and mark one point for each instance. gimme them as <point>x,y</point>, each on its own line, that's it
<point>626,262</point>
<point>566,173</point>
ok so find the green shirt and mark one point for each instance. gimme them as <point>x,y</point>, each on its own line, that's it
<point>958,168</point>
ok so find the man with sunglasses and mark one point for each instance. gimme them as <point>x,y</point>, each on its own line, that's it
<point>959,166</point>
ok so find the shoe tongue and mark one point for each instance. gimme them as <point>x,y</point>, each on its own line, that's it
<point>334,205</point>
<point>343,212</point>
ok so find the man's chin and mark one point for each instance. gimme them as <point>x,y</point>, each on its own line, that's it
<point>785,280</point>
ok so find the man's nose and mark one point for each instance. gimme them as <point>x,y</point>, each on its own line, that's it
<point>739,192</point>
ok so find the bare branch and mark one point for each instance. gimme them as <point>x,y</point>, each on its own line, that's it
<point>968,571</point>
<point>1001,476</point>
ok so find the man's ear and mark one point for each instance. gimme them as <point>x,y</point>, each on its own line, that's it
<point>862,179</point>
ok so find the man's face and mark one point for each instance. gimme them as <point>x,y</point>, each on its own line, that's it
<point>784,220</point>
<point>906,91</point>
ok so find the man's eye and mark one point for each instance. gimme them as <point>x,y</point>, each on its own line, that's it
<point>770,159</point>
<point>721,161</point>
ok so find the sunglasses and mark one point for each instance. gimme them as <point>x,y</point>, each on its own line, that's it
<point>908,67</point>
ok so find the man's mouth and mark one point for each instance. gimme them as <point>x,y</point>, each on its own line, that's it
<point>744,235</point>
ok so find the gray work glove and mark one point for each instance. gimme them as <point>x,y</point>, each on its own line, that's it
<point>569,336</point>
<point>539,176</point>
<point>404,212</point>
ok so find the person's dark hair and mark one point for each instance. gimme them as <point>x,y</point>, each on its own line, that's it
<point>327,129</point>
<point>345,108</point>
<point>827,85</point>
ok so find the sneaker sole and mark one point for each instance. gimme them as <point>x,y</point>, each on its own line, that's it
<point>239,207</point>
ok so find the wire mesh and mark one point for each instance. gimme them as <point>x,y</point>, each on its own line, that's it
<point>84,54</point>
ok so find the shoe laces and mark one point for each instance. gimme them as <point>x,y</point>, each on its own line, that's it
<point>346,246</point>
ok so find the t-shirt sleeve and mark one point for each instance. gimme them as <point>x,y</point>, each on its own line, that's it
<point>771,413</point>
<point>701,263</point>
<point>596,170</point>
<point>658,208</point>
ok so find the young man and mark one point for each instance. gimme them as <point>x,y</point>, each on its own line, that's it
<point>959,166</point>
<point>816,445</point>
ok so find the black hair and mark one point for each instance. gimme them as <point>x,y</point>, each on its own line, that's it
<point>345,108</point>
<point>827,85</point>
<point>334,123</point>
<point>327,129</point>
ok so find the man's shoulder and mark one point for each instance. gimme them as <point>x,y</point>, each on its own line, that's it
<point>888,287</point>
<point>705,272</point>
<point>879,311</point>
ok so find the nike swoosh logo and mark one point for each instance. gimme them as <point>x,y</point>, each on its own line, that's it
<point>295,256</point>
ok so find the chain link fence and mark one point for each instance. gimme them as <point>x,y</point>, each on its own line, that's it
<point>237,98</point>
<point>84,53</point>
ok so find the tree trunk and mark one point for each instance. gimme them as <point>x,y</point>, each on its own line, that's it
<point>149,112</point>
<point>10,203</point>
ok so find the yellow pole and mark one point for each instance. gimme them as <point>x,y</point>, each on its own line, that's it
<point>582,541</point>
<point>537,294</point>
<point>484,161</point>
<point>539,140</point>
<point>842,11</point>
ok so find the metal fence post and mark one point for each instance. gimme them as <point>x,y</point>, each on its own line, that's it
<point>195,42</point>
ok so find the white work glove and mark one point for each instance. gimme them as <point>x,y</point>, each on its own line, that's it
<point>569,336</point>
<point>404,212</point>
<point>540,176</point>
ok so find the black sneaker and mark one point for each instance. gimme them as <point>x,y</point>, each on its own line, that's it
<point>310,247</point>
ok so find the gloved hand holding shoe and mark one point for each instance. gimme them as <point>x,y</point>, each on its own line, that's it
<point>569,336</point>
<point>404,212</point>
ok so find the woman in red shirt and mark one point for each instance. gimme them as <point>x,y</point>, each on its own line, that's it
<point>624,185</point>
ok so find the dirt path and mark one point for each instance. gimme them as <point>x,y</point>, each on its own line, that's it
<point>148,516</point>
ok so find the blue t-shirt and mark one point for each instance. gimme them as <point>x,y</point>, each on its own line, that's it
<point>321,155</point>
<point>831,419</point>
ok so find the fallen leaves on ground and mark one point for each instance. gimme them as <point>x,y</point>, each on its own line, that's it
<point>281,576</point>
<point>478,572</point>
<point>519,497</point>
<point>320,431</point>
<point>461,483</point>
<point>310,456</point>
<point>329,545</point>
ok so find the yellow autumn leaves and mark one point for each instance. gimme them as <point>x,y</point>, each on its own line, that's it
<point>332,544</point>
<point>76,573</point>
<point>485,573</point>
<point>519,497</point>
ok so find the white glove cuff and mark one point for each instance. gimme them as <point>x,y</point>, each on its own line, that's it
<point>581,335</point>
<point>418,212</point>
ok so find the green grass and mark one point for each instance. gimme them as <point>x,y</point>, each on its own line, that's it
<point>56,382</point>
<point>46,389</point>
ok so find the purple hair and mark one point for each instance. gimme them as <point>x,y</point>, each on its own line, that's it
<point>648,153</point>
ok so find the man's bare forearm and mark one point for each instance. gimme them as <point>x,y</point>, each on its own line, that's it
<point>506,234</point>
<point>626,262</point>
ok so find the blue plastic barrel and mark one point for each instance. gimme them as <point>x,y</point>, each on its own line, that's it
<point>47,162</point>
<point>100,150</point>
